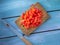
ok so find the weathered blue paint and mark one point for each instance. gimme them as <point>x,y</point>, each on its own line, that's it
<point>16,7</point>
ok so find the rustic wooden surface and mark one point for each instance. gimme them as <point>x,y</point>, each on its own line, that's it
<point>11,8</point>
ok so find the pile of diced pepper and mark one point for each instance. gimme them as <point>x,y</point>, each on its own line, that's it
<point>32,18</point>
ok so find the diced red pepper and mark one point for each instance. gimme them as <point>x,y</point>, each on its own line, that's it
<point>32,18</point>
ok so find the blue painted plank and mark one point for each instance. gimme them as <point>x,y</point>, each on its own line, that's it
<point>4,31</point>
<point>11,41</point>
<point>14,8</point>
<point>50,4</point>
<point>50,38</point>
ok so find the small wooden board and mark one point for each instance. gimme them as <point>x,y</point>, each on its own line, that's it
<point>29,31</point>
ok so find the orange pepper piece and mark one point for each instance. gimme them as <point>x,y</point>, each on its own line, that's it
<point>32,18</point>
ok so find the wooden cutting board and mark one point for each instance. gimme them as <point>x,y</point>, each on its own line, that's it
<point>29,31</point>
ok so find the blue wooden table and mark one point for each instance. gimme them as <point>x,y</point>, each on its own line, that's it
<point>11,9</point>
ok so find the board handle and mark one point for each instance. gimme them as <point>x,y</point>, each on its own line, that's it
<point>25,41</point>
